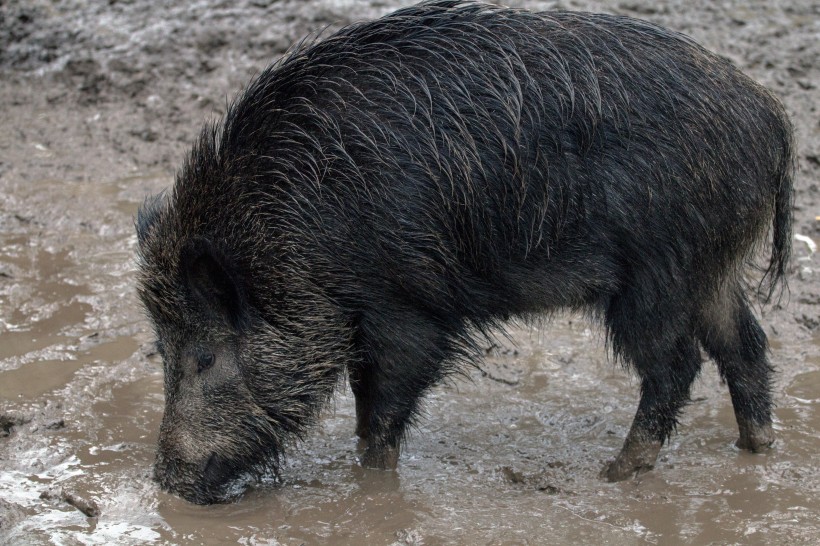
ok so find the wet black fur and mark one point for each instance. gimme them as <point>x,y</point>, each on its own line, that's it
<point>386,196</point>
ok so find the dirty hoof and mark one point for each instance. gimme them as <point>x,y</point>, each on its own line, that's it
<point>635,458</point>
<point>620,470</point>
<point>380,458</point>
<point>755,438</point>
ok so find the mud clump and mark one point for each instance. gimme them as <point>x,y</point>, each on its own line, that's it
<point>537,481</point>
<point>9,422</point>
<point>87,506</point>
<point>9,514</point>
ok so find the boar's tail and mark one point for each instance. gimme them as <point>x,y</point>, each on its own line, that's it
<point>775,273</point>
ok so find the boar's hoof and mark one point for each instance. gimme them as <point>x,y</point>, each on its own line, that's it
<point>620,470</point>
<point>755,437</point>
<point>381,458</point>
<point>635,458</point>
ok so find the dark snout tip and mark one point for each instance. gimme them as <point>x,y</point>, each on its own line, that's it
<point>211,481</point>
<point>215,470</point>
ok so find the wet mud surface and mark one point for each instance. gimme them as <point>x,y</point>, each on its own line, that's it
<point>99,101</point>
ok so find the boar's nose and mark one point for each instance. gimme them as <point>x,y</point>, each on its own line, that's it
<point>201,482</point>
<point>213,471</point>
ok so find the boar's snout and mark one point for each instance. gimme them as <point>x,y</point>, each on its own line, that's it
<point>207,480</point>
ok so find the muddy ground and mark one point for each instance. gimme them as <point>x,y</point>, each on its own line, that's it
<point>98,103</point>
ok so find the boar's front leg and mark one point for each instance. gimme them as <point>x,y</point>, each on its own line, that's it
<point>360,385</point>
<point>401,358</point>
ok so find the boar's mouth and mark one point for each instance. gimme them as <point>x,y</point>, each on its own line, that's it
<point>217,481</point>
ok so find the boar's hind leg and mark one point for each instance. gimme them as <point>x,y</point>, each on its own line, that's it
<point>663,350</point>
<point>397,368</point>
<point>734,339</point>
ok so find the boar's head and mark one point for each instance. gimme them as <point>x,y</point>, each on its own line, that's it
<point>250,354</point>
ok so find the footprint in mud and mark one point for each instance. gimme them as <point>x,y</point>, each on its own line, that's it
<point>539,481</point>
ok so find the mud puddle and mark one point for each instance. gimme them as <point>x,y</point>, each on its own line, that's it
<point>99,102</point>
<point>510,455</point>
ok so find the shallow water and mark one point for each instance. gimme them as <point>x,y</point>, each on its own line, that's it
<point>510,455</point>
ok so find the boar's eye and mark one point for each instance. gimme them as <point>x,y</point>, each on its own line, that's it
<point>204,361</point>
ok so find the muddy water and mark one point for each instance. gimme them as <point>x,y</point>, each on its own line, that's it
<point>510,455</point>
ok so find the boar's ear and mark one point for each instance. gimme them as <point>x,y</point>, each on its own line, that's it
<point>211,281</point>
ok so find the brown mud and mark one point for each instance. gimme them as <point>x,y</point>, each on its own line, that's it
<point>98,103</point>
